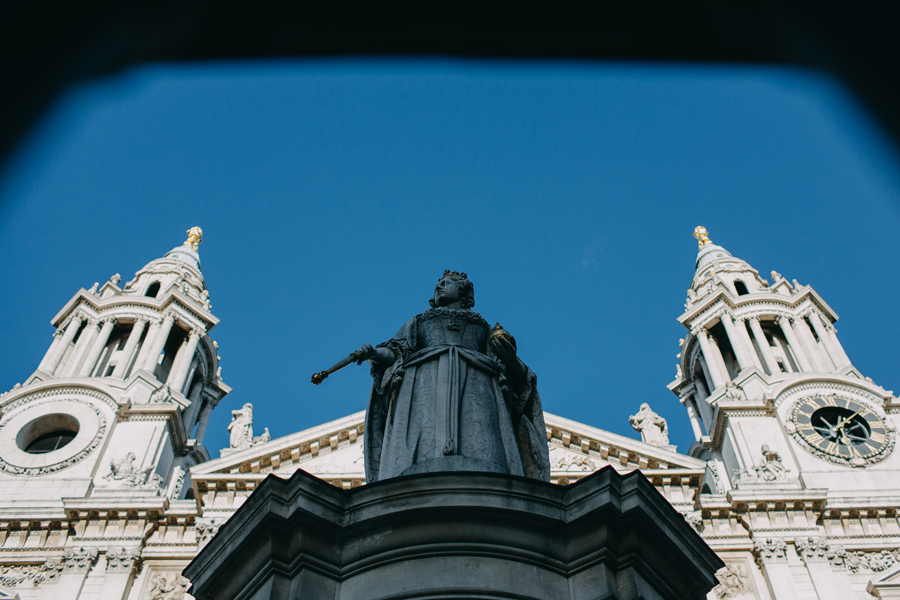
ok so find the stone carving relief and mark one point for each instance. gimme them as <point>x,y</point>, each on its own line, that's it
<point>79,559</point>
<point>771,468</point>
<point>22,575</point>
<point>168,586</point>
<point>734,392</point>
<point>653,428</point>
<point>574,462</point>
<point>695,520</point>
<point>206,529</point>
<point>733,582</point>
<point>161,394</point>
<point>124,473</point>
<point>859,561</point>
<point>811,548</point>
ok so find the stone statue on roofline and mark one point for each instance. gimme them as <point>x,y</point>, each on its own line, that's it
<point>654,429</point>
<point>451,394</point>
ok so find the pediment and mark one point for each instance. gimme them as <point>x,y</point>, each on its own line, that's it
<point>333,451</point>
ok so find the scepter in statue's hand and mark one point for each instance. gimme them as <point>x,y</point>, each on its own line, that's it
<point>358,357</point>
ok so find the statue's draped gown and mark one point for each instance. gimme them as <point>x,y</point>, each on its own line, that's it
<point>446,404</point>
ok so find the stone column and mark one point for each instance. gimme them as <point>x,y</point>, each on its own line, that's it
<point>190,414</point>
<point>817,324</point>
<point>182,362</point>
<point>843,360</point>
<point>794,343</point>
<point>155,346</point>
<point>54,345</point>
<point>128,351</point>
<point>81,346</point>
<point>90,361</point>
<point>737,342</point>
<point>204,420</point>
<point>763,344</point>
<point>772,557</point>
<point>814,354</point>
<point>714,361</point>
<point>826,333</point>
<point>68,336</point>
<point>828,584</point>
<point>120,564</point>
<point>77,563</point>
<point>691,407</point>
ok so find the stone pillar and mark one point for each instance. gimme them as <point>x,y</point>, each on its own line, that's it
<point>691,407</point>
<point>128,351</point>
<point>741,351</point>
<point>714,362</point>
<point>54,345</point>
<point>794,343</point>
<point>843,361</point>
<point>193,410</point>
<point>763,343</point>
<point>814,354</point>
<point>90,361</point>
<point>155,346</point>
<point>204,420</point>
<point>81,346</point>
<point>120,564</point>
<point>828,584</point>
<point>77,563</point>
<point>772,557</point>
<point>68,336</point>
<point>182,362</point>
<point>829,339</point>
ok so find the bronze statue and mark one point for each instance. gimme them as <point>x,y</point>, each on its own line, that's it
<point>451,394</point>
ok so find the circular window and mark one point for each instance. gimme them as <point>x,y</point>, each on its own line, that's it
<point>47,433</point>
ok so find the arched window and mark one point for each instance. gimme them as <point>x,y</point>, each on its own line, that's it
<point>740,287</point>
<point>153,290</point>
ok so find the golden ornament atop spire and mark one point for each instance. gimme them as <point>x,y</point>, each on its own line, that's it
<point>195,238</point>
<point>702,237</point>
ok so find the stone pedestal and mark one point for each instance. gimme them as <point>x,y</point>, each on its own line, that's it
<point>456,535</point>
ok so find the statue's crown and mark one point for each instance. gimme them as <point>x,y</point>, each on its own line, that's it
<point>454,274</point>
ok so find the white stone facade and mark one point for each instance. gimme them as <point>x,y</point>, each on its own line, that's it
<point>130,495</point>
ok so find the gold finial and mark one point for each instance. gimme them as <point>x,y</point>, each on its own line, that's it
<point>702,236</point>
<point>195,237</point>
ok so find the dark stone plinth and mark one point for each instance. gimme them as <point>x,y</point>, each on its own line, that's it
<point>456,535</point>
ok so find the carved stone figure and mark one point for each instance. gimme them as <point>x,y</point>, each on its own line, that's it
<point>241,427</point>
<point>450,394</point>
<point>171,586</point>
<point>654,429</point>
<point>734,392</point>
<point>732,582</point>
<point>123,470</point>
<point>771,469</point>
<point>261,439</point>
<point>161,394</point>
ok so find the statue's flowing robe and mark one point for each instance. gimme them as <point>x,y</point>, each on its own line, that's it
<point>446,403</point>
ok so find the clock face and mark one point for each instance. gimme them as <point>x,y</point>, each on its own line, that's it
<point>843,430</point>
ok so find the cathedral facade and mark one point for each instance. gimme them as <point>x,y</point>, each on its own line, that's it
<point>107,492</point>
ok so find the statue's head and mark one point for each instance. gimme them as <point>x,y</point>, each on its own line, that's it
<point>765,448</point>
<point>645,406</point>
<point>453,287</point>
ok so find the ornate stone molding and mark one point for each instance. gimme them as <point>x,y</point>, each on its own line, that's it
<point>859,561</point>
<point>120,560</point>
<point>80,455</point>
<point>79,559</point>
<point>770,550</point>
<point>812,549</point>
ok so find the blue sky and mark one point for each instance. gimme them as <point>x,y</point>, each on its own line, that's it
<point>333,193</point>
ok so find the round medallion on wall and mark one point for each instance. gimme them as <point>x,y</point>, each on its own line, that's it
<point>841,430</point>
<point>50,431</point>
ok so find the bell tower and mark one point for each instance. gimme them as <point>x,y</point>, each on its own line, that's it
<point>765,380</point>
<point>121,400</point>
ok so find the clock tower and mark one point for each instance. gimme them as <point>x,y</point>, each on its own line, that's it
<point>795,437</point>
